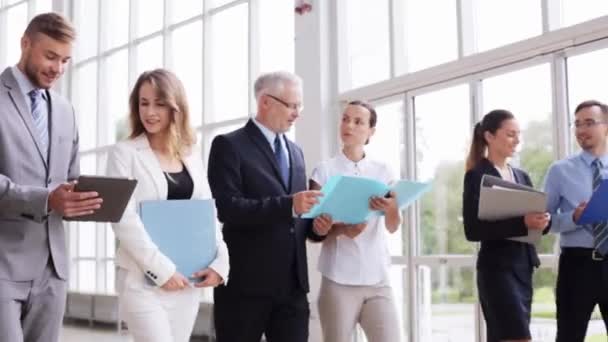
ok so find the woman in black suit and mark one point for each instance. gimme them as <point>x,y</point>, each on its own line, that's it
<point>504,267</point>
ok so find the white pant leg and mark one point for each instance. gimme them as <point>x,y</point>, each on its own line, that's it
<point>339,307</point>
<point>379,316</point>
<point>155,315</point>
<point>181,308</point>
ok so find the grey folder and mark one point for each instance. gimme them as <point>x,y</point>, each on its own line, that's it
<point>115,193</point>
<point>500,199</point>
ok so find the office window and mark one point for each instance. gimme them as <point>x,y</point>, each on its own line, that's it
<point>187,64</point>
<point>185,9</point>
<point>86,23</point>
<point>574,12</point>
<point>115,30</point>
<point>500,22</point>
<point>443,129</point>
<point>367,39</point>
<point>149,16</point>
<point>430,33</point>
<point>16,18</point>
<point>229,55</point>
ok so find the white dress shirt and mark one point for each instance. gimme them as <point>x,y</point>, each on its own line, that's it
<point>365,259</point>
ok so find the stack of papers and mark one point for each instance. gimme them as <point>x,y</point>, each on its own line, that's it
<point>500,199</point>
<point>346,199</point>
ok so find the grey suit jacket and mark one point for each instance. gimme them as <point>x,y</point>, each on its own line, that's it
<point>29,235</point>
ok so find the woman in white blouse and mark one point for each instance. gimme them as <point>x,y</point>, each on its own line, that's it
<point>354,259</point>
<point>157,302</point>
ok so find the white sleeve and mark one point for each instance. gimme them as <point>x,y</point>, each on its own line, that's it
<point>130,230</point>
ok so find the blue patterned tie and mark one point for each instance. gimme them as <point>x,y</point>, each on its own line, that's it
<point>41,123</point>
<point>281,160</point>
<point>599,230</point>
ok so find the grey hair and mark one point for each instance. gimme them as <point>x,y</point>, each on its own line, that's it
<point>275,82</point>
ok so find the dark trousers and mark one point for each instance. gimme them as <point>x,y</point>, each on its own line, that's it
<point>243,317</point>
<point>581,284</point>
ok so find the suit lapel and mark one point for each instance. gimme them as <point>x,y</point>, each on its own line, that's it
<point>53,129</point>
<point>152,166</point>
<point>261,143</point>
<point>19,102</point>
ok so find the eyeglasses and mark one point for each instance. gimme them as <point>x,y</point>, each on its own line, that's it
<point>586,124</point>
<point>298,107</point>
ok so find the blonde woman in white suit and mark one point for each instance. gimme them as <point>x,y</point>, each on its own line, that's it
<point>157,302</point>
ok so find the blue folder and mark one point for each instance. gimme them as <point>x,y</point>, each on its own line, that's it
<point>346,198</point>
<point>183,230</point>
<point>597,208</point>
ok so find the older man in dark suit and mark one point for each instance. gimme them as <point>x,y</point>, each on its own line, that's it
<point>258,179</point>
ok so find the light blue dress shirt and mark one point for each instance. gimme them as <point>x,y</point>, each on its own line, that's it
<point>568,183</point>
<point>270,136</point>
<point>25,86</point>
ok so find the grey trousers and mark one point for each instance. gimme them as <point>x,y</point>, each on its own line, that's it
<point>32,311</point>
<point>341,307</point>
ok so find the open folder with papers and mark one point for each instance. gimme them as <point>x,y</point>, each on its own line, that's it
<point>595,211</point>
<point>346,199</point>
<point>500,199</point>
<point>183,230</point>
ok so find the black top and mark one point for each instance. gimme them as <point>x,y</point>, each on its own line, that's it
<point>495,250</point>
<point>180,185</point>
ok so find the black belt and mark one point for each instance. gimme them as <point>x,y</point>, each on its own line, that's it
<point>584,252</point>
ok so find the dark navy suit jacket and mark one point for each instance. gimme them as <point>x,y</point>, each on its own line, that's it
<point>495,250</point>
<point>265,242</point>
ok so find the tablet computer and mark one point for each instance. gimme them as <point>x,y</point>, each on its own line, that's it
<point>115,193</point>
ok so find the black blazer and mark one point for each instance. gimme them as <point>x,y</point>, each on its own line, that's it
<point>495,250</point>
<point>266,244</point>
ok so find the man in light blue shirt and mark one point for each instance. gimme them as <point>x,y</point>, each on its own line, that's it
<point>582,280</point>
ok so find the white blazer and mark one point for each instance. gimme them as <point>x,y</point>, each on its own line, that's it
<point>136,252</point>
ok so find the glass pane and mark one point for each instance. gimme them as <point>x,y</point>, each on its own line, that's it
<point>446,304</point>
<point>110,268</point>
<point>586,79</point>
<point>110,242</point>
<point>116,23</point>
<point>585,82</point>
<point>527,94</point>
<point>16,20</point>
<point>277,46</point>
<point>149,55</point>
<point>85,103</point>
<point>543,326</point>
<point>442,140</point>
<point>86,239</point>
<point>86,276</point>
<point>368,45</point>
<point>184,9</point>
<point>218,3</point>
<point>495,22</point>
<point>86,22</point>
<point>43,6</point>
<point>419,31</point>
<point>116,93</point>
<point>386,146</point>
<point>230,56</point>
<point>187,57</point>
<point>150,16</point>
<point>10,2</point>
<point>574,12</point>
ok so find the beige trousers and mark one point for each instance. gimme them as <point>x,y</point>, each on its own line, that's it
<point>341,307</point>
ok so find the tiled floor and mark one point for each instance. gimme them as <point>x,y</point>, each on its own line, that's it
<point>82,331</point>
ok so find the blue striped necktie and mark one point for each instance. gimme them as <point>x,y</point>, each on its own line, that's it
<point>281,160</point>
<point>599,230</point>
<point>40,118</point>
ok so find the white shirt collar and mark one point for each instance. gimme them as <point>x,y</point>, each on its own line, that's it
<point>268,134</point>
<point>344,159</point>
<point>25,85</point>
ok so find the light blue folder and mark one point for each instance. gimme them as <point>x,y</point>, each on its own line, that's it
<point>346,198</point>
<point>596,209</point>
<point>183,230</point>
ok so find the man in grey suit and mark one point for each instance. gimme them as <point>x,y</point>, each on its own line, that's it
<point>38,162</point>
